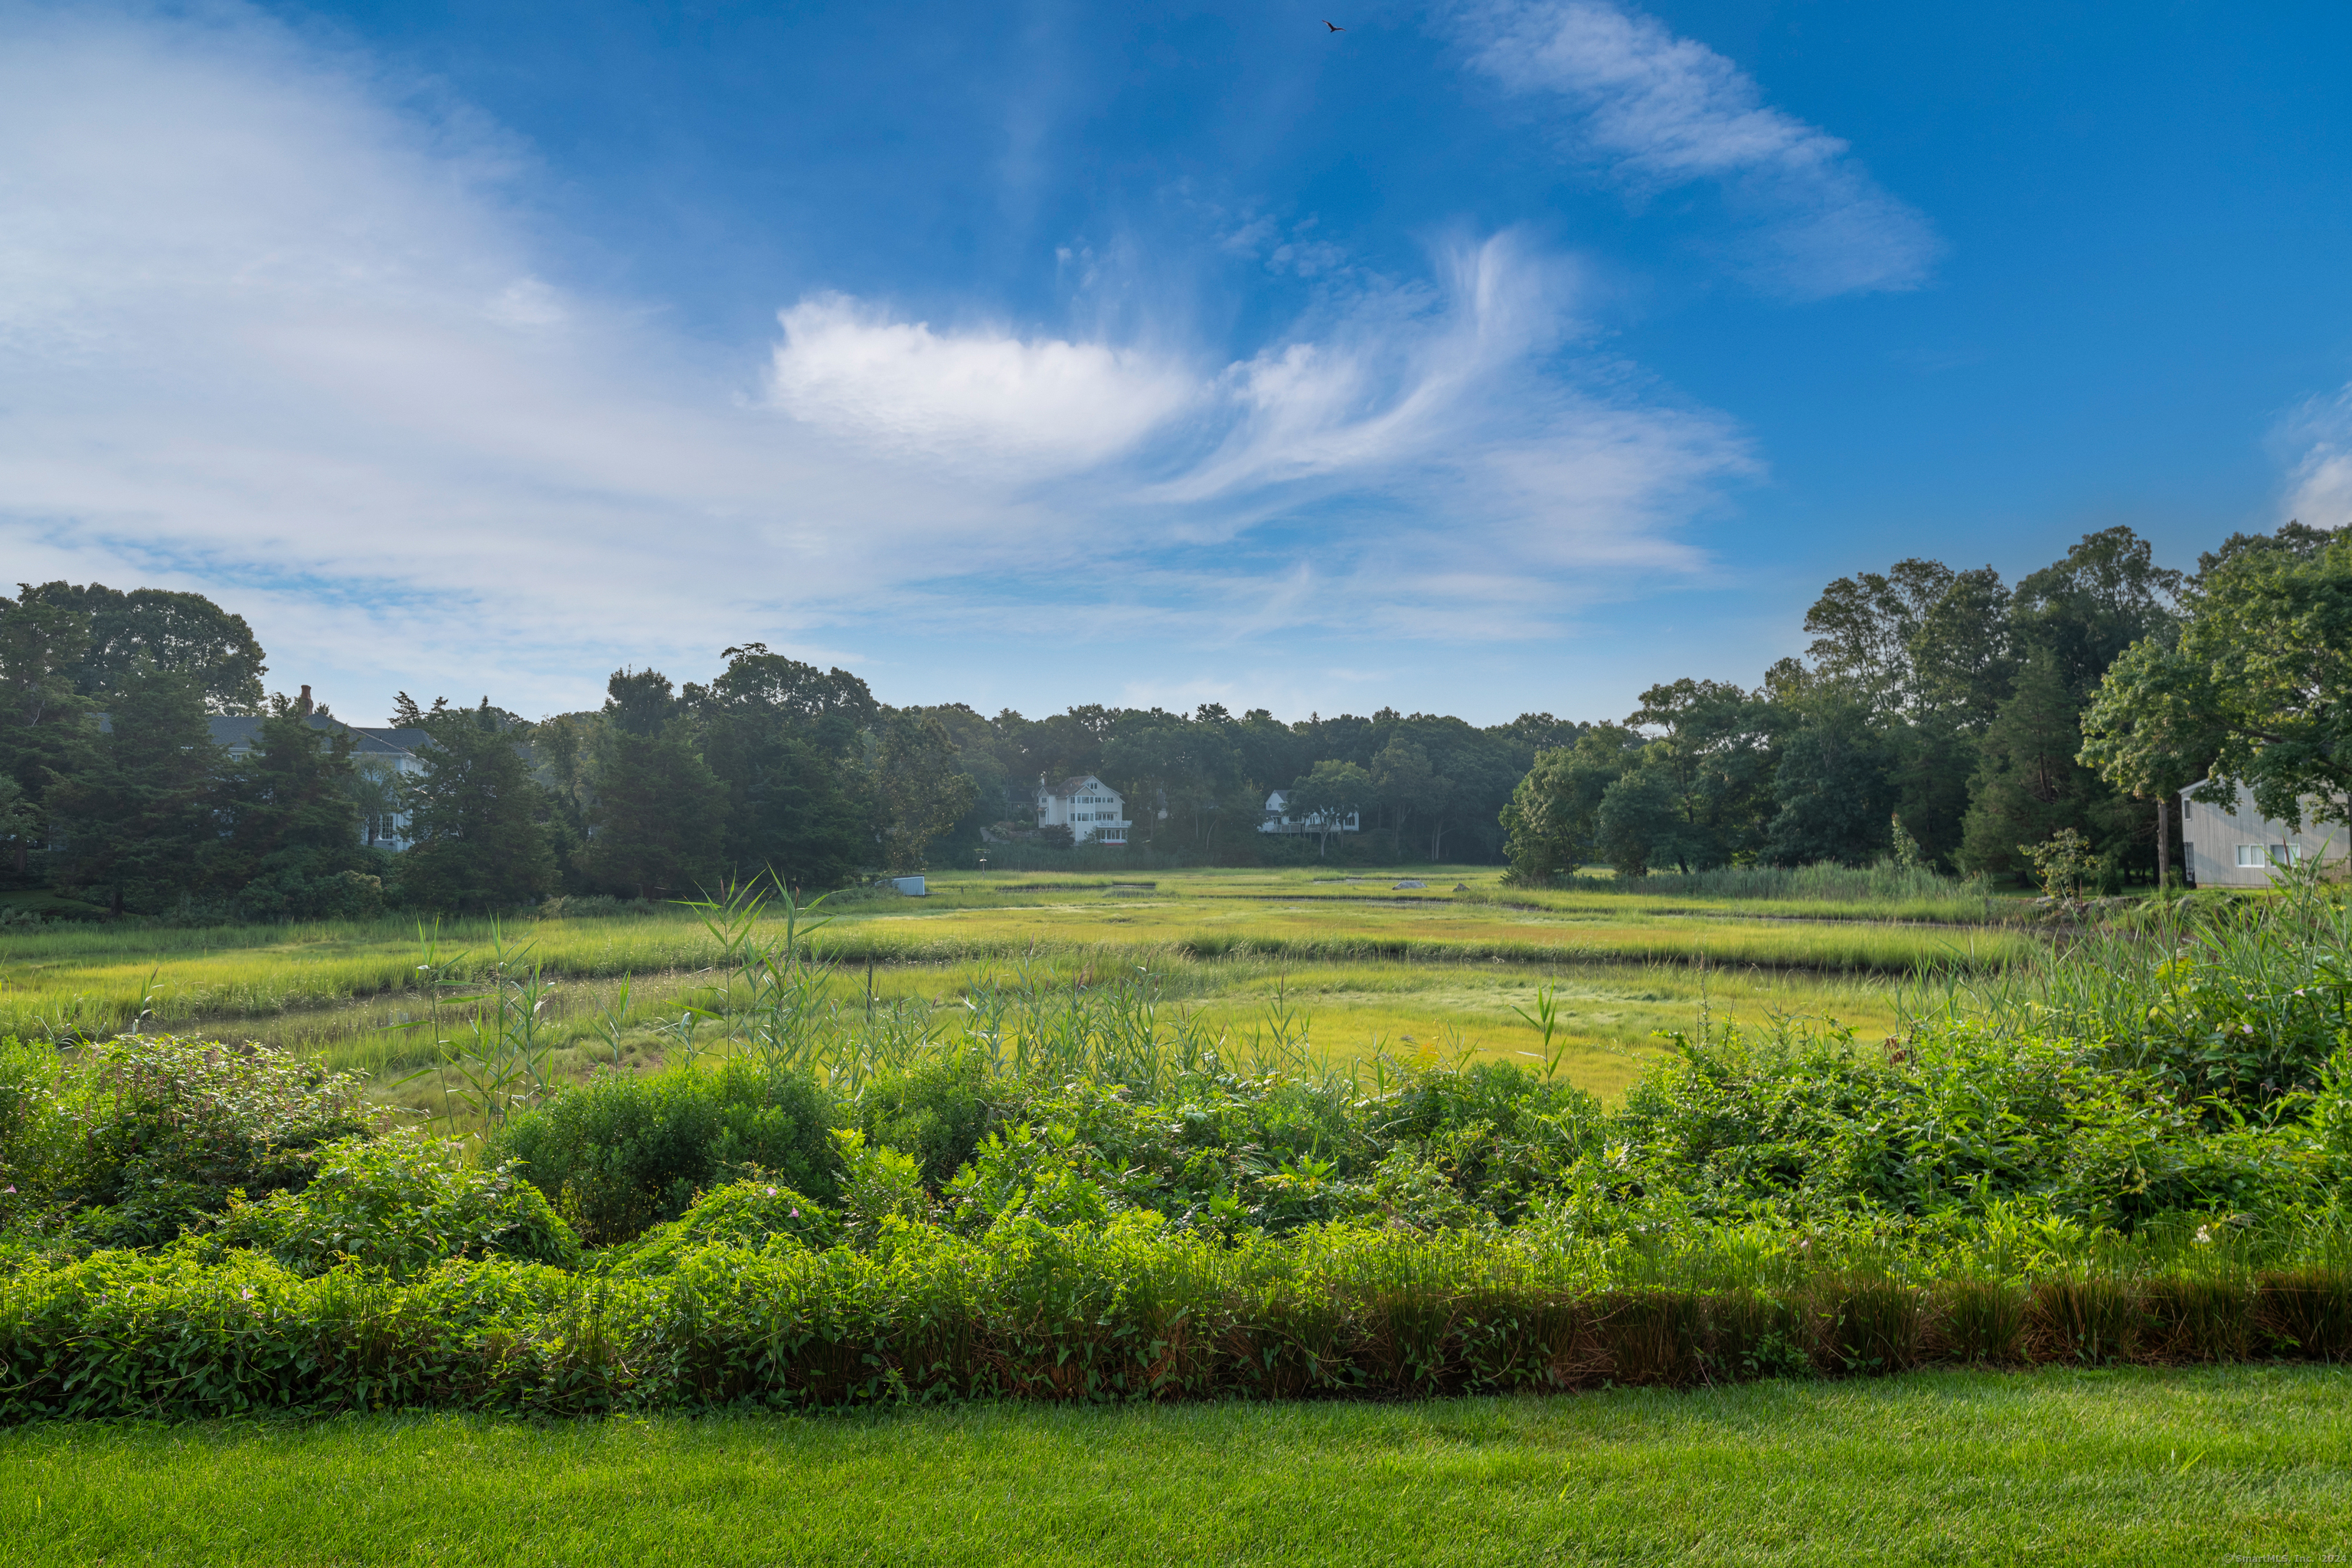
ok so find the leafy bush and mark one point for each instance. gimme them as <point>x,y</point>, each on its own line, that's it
<point>36,1135</point>
<point>162,1132</point>
<point>753,1214</point>
<point>626,1153</point>
<point>883,1189</point>
<point>936,1111</point>
<point>401,1205</point>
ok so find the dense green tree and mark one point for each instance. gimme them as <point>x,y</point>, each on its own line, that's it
<point>47,736</point>
<point>1185,769</point>
<point>1865,628</point>
<point>142,816</point>
<point>1641,826</point>
<point>1553,823</point>
<point>1963,653</point>
<point>1711,765</point>
<point>1832,789</point>
<point>656,815</point>
<point>2256,690</point>
<point>1405,784</point>
<point>477,817</point>
<point>294,849</point>
<point>2084,611</point>
<point>2028,785</point>
<point>917,787</point>
<point>1330,792</point>
<point>782,736</point>
<point>177,634</point>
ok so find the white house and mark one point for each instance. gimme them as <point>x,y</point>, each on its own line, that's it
<point>1279,820</point>
<point>2236,847</point>
<point>1089,808</point>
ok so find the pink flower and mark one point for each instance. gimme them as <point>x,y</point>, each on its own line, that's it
<point>771,1192</point>
<point>247,1292</point>
<point>796,1214</point>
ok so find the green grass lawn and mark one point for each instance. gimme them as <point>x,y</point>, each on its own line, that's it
<point>2124,1466</point>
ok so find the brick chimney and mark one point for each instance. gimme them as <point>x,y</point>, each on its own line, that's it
<point>303,706</point>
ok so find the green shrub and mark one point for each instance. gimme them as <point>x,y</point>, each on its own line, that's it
<point>401,1205</point>
<point>882,1189</point>
<point>754,1214</point>
<point>626,1153</point>
<point>937,1112</point>
<point>170,1131</point>
<point>37,1136</point>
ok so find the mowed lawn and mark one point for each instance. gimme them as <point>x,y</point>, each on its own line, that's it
<point>2095,1466</point>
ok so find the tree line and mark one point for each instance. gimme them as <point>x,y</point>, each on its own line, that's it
<point>1940,716</point>
<point>115,796</point>
<point>1945,717</point>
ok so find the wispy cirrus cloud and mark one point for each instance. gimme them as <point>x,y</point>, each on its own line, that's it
<point>1658,110</point>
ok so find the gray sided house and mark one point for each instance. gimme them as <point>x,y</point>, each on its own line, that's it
<point>2236,846</point>
<point>381,756</point>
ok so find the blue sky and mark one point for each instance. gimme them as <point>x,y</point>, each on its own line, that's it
<point>1478,358</point>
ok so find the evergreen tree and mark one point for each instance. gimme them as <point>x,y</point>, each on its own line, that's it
<point>47,735</point>
<point>294,850</point>
<point>477,818</point>
<point>657,816</point>
<point>142,816</point>
<point>2028,785</point>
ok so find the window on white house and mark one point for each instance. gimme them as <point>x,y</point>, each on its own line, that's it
<point>2254,855</point>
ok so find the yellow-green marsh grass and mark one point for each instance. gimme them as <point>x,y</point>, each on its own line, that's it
<point>1608,1014</point>
<point>1405,971</point>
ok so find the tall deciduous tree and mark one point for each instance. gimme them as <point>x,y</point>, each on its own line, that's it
<point>781,735</point>
<point>1832,789</point>
<point>178,633</point>
<point>1329,792</point>
<point>2256,690</point>
<point>1552,824</point>
<point>918,789</point>
<point>46,733</point>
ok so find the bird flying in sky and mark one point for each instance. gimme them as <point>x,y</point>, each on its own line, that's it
<point>1335,26</point>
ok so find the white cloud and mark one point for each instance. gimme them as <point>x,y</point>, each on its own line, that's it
<point>1662,110</point>
<point>976,397</point>
<point>272,331</point>
<point>2320,482</point>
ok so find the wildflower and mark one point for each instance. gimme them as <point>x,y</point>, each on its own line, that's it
<point>247,1292</point>
<point>796,1214</point>
<point>12,1189</point>
<point>2204,1237</point>
<point>771,1192</point>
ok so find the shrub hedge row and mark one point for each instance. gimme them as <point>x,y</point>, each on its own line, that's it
<point>1133,1310</point>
